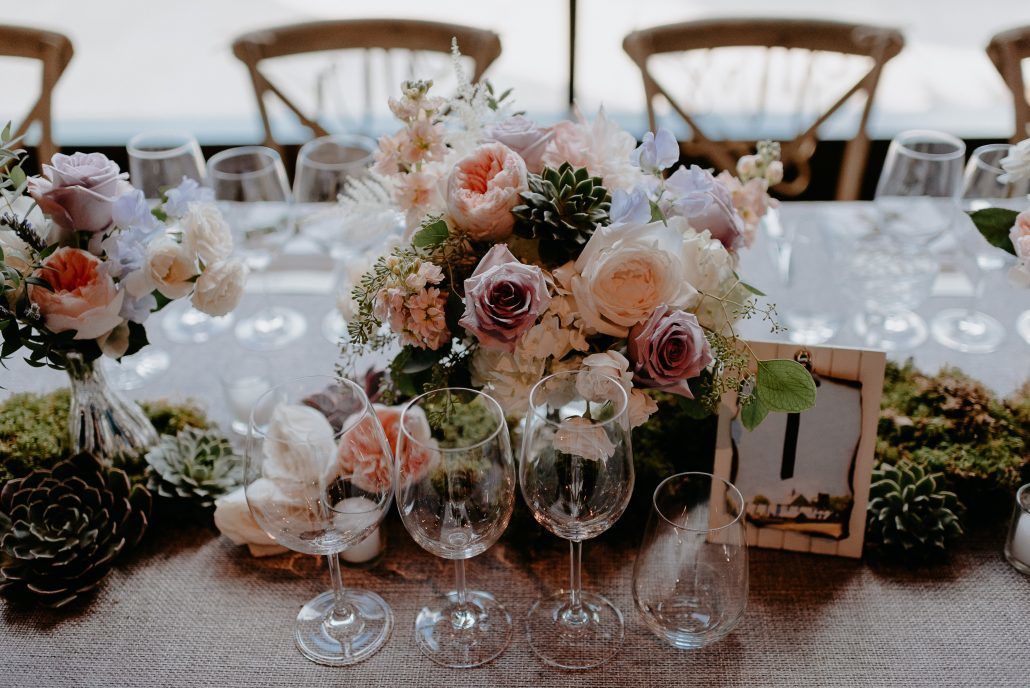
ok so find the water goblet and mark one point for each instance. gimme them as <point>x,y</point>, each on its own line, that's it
<point>810,290</point>
<point>455,493</point>
<point>576,473</point>
<point>968,329</point>
<point>250,184</point>
<point>690,579</point>
<point>318,478</point>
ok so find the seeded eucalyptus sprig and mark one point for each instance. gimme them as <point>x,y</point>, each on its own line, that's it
<point>561,209</point>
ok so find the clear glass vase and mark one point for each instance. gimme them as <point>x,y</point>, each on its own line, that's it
<point>100,420</point>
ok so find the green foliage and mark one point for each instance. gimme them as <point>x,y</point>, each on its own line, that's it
<point>995,224</point>
<point>561,209</point>
<point>780,385</point>
<point>911,516</point>
<point>34,429</point>
<point>950,424</point>
<point>432,234</point>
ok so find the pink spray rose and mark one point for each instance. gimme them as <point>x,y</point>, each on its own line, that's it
<point>503,299</point>
<point>523,136</point>
<point>78,191</point>
<point>483,188</point>
<point>83,299</point>
<point>667,350</point>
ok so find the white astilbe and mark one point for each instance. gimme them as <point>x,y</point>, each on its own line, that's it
<point>469,111</point>
<point>367,204</point>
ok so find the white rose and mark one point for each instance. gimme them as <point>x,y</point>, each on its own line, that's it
<point>299,447</point>
<point>626,271</point>
<point>16,255</point>
<point>710,269</point>
<point>582,437</point>
<point>507,377</point>
<point>640,405</point>
<point>170,267</point>
<point>220,287</point>
<point>205,232</point>
<point>235,521</point>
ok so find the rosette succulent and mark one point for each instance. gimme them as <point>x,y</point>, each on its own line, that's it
<point>62,530</point>
<point>561,209</point>
<point>910,515</point>
<point>194,464</point>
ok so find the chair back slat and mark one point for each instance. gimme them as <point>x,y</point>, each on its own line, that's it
<point>786,36</point>
<point>368,35</point>
<point>54,51</point>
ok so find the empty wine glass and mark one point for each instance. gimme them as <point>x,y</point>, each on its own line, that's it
<point>576,472</point>
<point>455,493</point>
<point>968,329</point>
<point>319,479</point>
<point>324,167</point>
<point>891,279</point>
<point>811,292</point>
<point>690,579</point>
<point>250,184</point>
<point>916,196</point>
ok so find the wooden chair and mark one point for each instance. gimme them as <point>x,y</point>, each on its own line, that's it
<point>55,51</point>
<point>878,44</point>
<point>1007,51</point>
<point>388,34</point>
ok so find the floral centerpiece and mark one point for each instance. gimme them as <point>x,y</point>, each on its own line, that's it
<point>533,249</point>
<point>84,261</point>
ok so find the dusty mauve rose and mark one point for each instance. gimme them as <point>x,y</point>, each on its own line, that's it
<point>523,136</point>
<point>503,299</point>
<point>78,191</point>
<point>667,350</point>
<point>83,299</point>
<point>483,188</point>
<point>707,204</point>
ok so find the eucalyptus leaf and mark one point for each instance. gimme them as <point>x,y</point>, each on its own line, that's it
<point>995,224</point>
<point>786,386</point>
<point>753,413</point>
<point>433,234</point>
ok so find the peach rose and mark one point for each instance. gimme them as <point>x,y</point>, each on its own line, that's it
<point>483,188</point>
<point>361,455</point>
<point>83,298</point>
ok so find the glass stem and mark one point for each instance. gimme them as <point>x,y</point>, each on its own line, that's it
<point>459,582</point>
<point>575,576</point>
<point>343,614</point>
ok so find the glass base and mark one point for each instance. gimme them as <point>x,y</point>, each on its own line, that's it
<point>184,324</point>
<point>271,328</point>
<point>132,372</point>
<point>571,641</point>
<point>341,643</point>
<point>334,327</point>
<point>689,623</point>
<point>1023,326</point>
<point>970,332</point>
<point>810,329</point>
<point>898,331</point>
<point>463,639</point>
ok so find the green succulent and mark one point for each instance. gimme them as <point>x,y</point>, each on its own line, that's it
<point>561,209</point>
<point>910,515</point>
<point>62,530</point>
<point>195,465</point>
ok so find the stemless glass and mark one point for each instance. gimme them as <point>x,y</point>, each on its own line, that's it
<point>916,196</point>
<point>576,472</point>
<point>318,477</point>
<point>690,578</point>
<point>324,167</point>
<point>455,493</point>
<point>250,183</point>
<point>812,295</point>
<point>968,329</point>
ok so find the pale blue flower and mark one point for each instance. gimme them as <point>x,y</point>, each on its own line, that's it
<point>706,204</point>
<point>137,310</point>
<point>632,207</point>
<point>188,191</point>
<point>132,210</point>
<point>656,152</point>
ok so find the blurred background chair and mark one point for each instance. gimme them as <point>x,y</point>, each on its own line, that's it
<point>1007,51</point>
<point>402,46</point>
<point>55,51</point>
<point>807,71</point>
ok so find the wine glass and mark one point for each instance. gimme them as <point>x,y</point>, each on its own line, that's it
<point>810,290</point>
<point>690,579</point>
<point>968,329</point>
<point>324,167</point>
<point>250,184</point>
<point>455,493</point>
<point>917,194</point>
<point>318,477</point>
<point>576,472</point>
